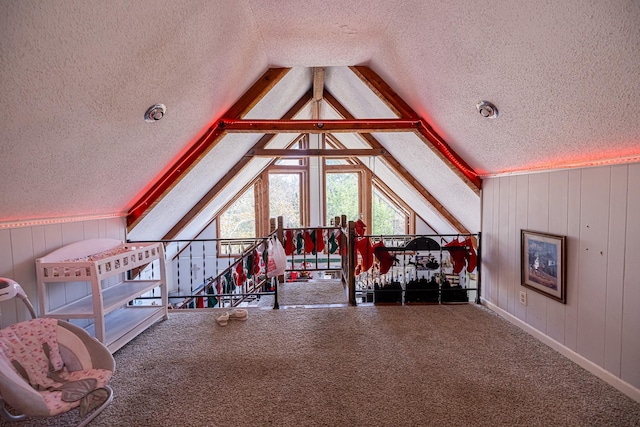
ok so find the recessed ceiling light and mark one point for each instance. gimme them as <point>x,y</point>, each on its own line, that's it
<point>155,113</point>
<point>487,109</point>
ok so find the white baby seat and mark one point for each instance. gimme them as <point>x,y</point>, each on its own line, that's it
<point>49,366</point>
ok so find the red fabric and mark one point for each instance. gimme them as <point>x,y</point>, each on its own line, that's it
<point>364,247</point>
<point>256,262</point>
<point>199,302</point>
<point>319,241</point>
<point>384,257</point>
<point>360,227</point>
<point>219,286</point>
<point>288,242</point>
<point>472,261</point>
<point>458,255</point>
<point>308,243</point>
<point>343,248</point>
<point>241,276</point>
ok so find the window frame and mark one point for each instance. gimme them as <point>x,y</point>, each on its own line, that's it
<point>410,223</point>
<point>220,241</point>
<point>302,179</point>
<point>368,182</point>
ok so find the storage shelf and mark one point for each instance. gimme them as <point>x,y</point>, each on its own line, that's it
<point>113,298</point>
<point>99,262</point>
<point>124,324</point>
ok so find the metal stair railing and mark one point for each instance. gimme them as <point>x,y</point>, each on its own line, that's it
<point>238,273</point>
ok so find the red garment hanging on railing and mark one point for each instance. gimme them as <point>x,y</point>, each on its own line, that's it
<point>288,242</point>
<point>384,257</point>
<point>458,255</point>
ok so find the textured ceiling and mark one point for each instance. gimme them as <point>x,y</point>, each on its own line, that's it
<point>77,77</point>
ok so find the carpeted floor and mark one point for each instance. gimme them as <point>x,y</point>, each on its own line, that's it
<point>434,365</point>
<point>314,292</point>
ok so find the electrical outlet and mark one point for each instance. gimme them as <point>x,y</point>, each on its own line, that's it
<point>523,298</point>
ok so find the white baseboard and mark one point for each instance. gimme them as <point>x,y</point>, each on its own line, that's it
<point>596,370</point>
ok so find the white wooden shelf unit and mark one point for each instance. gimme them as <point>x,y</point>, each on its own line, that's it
<point>104,263</point>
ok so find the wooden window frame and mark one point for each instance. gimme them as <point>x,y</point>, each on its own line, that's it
<point>302,172</point>
<point>364,184</point>
<point>226,207</point>
<point>367,181</point>
<point>377,183</point>
<point>302,169</point>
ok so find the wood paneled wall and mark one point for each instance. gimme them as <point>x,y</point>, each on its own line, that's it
<point>19,248</point>
<point>598,209</point>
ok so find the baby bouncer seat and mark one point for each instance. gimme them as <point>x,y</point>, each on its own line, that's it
<point>49,367</point>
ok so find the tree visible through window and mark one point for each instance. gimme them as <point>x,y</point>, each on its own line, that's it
<point>284,198</point>
<point>343,195</point>
<point>388,218</point>
<point>239,220</point>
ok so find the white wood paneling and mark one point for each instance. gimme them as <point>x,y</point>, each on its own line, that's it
<point>558,203</point>
<point>53,239</point>
<point>21,246</point>
<point>39,239</point>
<point>522,207</point>
<point>495,248</point>
<point>594,229</point>
<point>23,266</point>
<point>504,249</point>
<point>615,268</point>
<point>488,239</point>
<point>573,259</point>
<point>630,358</point>
<point>91,229</point>
<point>558,185</point>
<point>597,210</point>
<point>538,212</point>
<point>513,243</point>
<point>72,232</point>
<point>538,220</point>
<point>56,292</point>
<point>7,308</point>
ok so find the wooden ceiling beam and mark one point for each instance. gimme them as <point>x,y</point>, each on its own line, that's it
<point>424,130</point>
<point>178,170</point>
<point>387,95</point>
<point>256,92</point>
<point>400,170</point>
<point>235,169</point>
<point>319,126</point>
<point>181,167</point>
<point>318,89</point>
<point>447,155</point>
<point>298,153</point>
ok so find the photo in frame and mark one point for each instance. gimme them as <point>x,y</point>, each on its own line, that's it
<point>543,264</point>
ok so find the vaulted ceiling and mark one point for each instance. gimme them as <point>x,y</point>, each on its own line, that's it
<point>392,141</point>
<point>77,77</point>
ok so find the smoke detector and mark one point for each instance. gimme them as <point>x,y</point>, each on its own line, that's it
<point>155,113</point>
<point>487,109</point>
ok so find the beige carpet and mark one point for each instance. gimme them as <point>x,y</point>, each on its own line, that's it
<point>458,365</point>
<point>315,292</point>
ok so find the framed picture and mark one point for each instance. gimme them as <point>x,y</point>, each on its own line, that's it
<point>543,264</point>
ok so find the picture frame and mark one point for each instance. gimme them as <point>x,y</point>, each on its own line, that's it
<point>543,264</point>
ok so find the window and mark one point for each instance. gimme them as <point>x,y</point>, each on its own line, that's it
<point>286,188</point>
<point>294,161</point>
<point>239,219</point>
<point>284,197</point>
<point>334,162</point>
<point>342,195</point>
<point>387,217</point>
